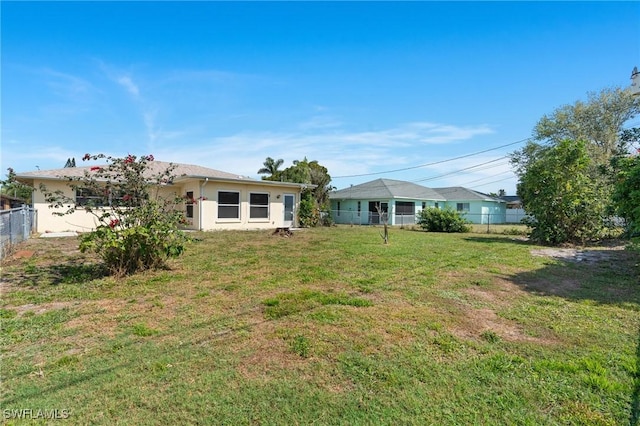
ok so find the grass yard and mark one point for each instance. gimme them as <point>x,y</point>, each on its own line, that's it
<point>329,326</point>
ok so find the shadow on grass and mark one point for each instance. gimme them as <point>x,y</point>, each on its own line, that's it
<point>597,275</point>
<point>66,273</point>
<point>511,239</point>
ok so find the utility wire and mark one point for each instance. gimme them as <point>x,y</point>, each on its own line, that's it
<point>435,162</point>
<point>460,170</point>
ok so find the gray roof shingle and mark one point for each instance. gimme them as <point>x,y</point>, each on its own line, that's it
<point>390,188</point>
<point>154,167</point>
<point>385,189</point>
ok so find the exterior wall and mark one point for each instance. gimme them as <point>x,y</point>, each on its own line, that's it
<point>481,212</point>
<point>78,221</point>
<point>205,210</point>
<point>348,213</point>
<point>207,207</point>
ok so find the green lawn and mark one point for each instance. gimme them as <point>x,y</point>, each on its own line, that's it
<point>329,326</point>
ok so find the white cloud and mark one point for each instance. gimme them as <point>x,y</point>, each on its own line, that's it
<point>341,151</point>
<point>129,85</point>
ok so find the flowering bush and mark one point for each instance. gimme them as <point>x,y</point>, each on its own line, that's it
<point>137,226</point>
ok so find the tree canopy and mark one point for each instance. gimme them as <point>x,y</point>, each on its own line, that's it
<point>15,189</point>
<point>315,199</point>
<point>567,172</point>
<point>270,169</point>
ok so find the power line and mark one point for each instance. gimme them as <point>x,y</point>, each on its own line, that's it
<point>499,180</point>
<point>435,162</point>
<point>460,170</point>
<point>488,177</point>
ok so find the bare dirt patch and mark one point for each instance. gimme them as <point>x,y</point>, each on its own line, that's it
<point>586,255</point>
<point>41,308</point>
<point>477,321</point>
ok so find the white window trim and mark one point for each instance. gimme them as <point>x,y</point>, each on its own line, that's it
<point>239,205</point>
<point>268,206</point>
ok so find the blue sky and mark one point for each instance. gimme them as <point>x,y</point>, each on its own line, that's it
<point>369,89</point>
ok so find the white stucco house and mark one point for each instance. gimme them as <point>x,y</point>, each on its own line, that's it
<point>222,200</point>
<point>401,201</point>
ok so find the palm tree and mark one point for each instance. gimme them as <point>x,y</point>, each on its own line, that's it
<point>271,168</point>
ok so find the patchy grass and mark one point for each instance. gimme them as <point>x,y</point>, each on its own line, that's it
<point>329,327</point>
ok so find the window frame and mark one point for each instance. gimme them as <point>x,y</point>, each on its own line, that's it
<point>189,205</point>
<point>266,206</point>
<point>463,207</point>
<point>401,206</point>
<point>106,199</point>
<point>237,205</point>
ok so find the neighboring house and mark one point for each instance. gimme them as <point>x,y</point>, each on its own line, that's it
<point>476,206</point>
<point>400,201</point>
<point>8,202</point>
<point>221,200</point>
<point>515,211</point>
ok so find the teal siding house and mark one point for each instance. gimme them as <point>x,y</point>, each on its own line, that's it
<point>398,202</point>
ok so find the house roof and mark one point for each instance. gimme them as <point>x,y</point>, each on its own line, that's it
<point>459,193</point>
<point>385,189</point>
<point>390,188</point>
<point>511,198</point>
<point>181,171</point>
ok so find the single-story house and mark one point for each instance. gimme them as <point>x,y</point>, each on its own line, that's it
<point>214,200</point>
<point>400,201</point>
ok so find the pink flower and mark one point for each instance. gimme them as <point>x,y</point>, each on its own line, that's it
<point>130,159</point>
<point>113,223</point>
<point>150,158</point>
<point>95,168</point>
<point>127,197</point>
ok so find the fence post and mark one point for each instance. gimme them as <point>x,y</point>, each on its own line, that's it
<point>10,226</point>
<point>25,224</point>
<point>488,222</point>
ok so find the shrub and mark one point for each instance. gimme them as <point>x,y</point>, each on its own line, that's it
<point>137,228</point>
<point>442,220</point>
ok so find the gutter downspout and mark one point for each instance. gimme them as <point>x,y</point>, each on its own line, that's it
<point>206,180</point>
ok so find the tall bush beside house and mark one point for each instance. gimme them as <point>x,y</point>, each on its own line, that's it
<point>442,220</point>
<point>562,209</point>
<point>626,194</point>
<point>138,229</point>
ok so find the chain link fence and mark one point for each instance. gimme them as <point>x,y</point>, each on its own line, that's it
<point>16,226</point>
<point>373,218</point>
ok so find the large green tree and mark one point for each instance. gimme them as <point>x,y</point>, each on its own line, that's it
<point>314,204</point>
<point>595,127</point>
<point>626,194</point>
<point>598,121</point>
<point>564,202</point>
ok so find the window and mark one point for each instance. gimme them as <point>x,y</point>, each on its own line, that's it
<point>462,207</point>
<point>90,197</point>
<point>189,204</point>
<point>228,205</point>
<point>338,208</point>
<point>405,208</point>
<point>359,208</point>
<point>424,205</point>
<point>436,205</point>
<point>258,206</point>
